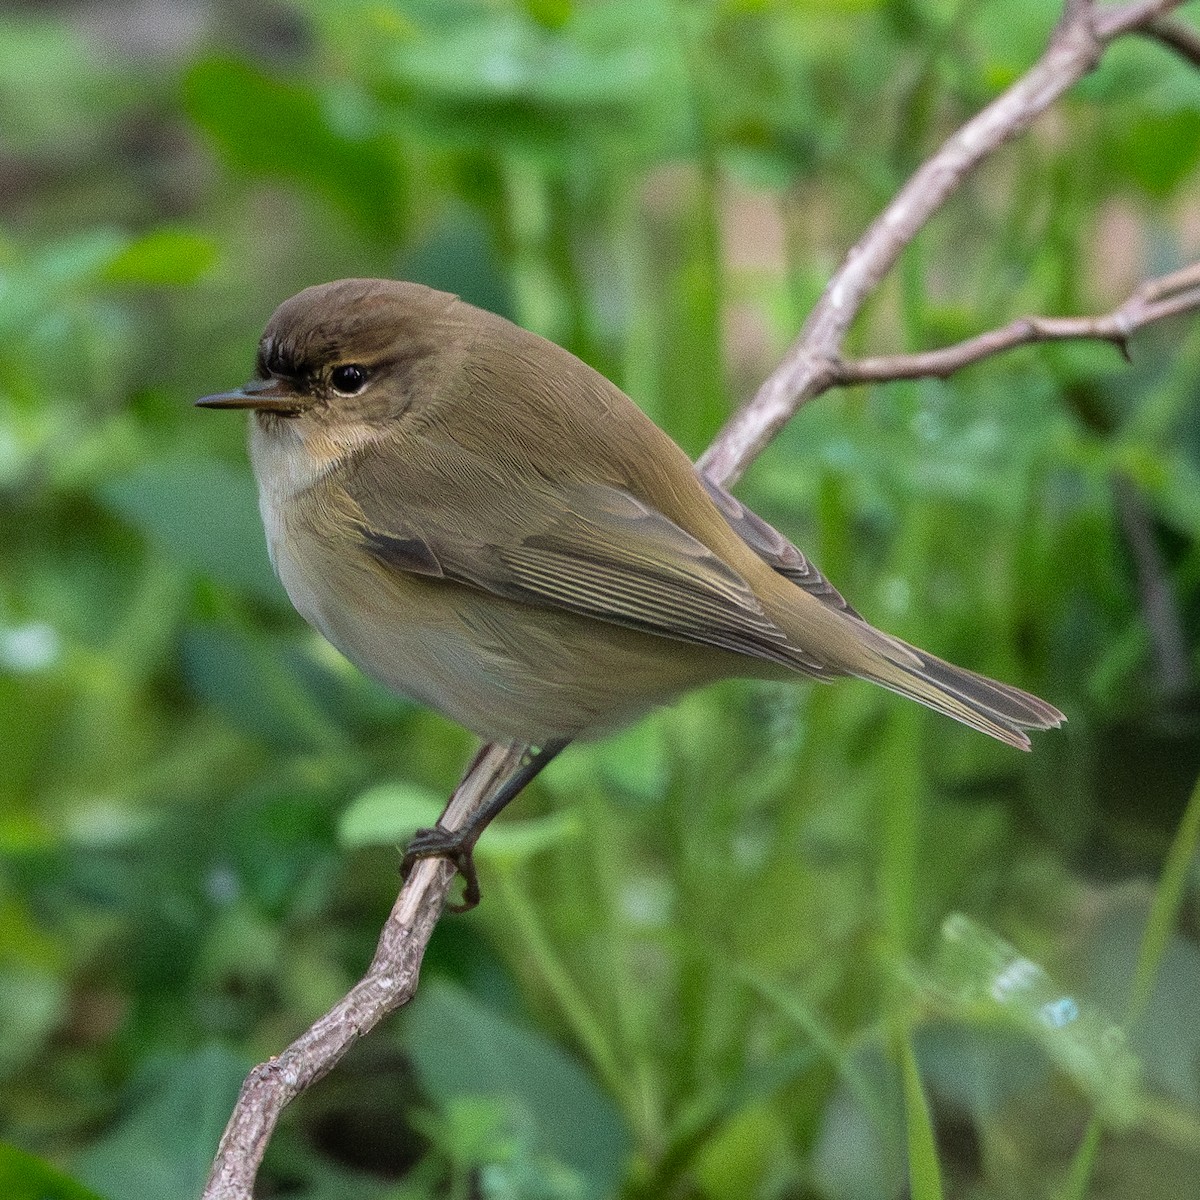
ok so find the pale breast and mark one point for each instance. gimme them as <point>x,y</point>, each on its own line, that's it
<point>284,468</point>
<point>386,625</point>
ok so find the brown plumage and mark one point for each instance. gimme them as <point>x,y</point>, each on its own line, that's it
<point>480,520</point>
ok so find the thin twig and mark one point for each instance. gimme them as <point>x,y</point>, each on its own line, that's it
<point>1166,296</point>
<point>810,367</point>
<point>1160,607</point>
<point>1113,20</point>
<point>1176,35</point>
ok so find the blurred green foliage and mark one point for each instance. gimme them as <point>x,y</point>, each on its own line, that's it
<point>706,964</point>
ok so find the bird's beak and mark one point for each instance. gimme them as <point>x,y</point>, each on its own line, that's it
<point>267,395</point>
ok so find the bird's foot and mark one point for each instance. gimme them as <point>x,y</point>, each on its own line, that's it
<point>458,845</point>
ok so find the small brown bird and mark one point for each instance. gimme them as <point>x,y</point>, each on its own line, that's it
<point>480,521</point>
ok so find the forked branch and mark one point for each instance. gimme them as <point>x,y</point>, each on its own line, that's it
<point>810,366</point>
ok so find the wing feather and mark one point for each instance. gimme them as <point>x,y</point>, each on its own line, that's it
<point>774,549</point>
<point>589,548</point>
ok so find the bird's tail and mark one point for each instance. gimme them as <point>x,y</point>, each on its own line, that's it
<point>850,646</point>
<point>998,709</point>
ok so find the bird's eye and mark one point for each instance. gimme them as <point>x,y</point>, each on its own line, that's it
<point>349,379</point>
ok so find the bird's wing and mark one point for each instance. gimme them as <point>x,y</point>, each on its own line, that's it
<point>773,548</point>
<point>587,547</point>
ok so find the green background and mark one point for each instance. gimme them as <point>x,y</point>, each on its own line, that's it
<point>716,955</point>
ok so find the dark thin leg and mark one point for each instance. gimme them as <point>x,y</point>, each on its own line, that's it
<point>458,845</point>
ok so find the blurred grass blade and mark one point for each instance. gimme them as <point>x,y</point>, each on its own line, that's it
<point>1164,914</point>
<point>575,1006</point>
<point>1079,1174</point>
<point>924,1173</point>
<point>796,1010</point>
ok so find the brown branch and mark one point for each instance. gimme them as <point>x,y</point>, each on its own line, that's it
<point>810,367</point>
<point>1113,20</point>
<point>1160,608</point>
<point>1166,296</point>
<point>1175,35</point>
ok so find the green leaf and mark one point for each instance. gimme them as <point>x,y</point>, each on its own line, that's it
<point>463,1049</point>
<point>203,513</point>
<point>277,130</point>
<point>552,14</point>
<point>514,841</point>
<point>27,1177</point>
<point>34,1002</point>
<point>262,685</point>
<point>495,76</point>
<point>163,257</point>
<point>388,815</point>
<point>1156,151</point>
<point>165,1146</point>
<point>46,284</point>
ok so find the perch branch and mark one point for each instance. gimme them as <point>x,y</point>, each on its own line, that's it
<point>390,981</point>
<point>810,367</point>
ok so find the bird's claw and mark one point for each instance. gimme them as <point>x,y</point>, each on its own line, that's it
<point>455,844</point>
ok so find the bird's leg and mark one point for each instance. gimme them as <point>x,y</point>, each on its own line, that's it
<point>458,845</point>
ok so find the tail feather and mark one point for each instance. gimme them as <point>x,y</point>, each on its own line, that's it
<point>997,709</point>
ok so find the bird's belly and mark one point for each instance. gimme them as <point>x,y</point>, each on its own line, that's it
<point>385,636</point>
<point>507,671</point>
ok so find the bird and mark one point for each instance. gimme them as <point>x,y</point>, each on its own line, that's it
<point>484,523</point>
